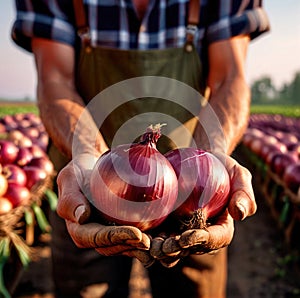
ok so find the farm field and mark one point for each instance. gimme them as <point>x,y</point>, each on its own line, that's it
<point>7,107</point>
<point>260,264</point>
<point>289,111</point>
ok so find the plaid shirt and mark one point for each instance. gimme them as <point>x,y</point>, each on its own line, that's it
<point>114,23</point>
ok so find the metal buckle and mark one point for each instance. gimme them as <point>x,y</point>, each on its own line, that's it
<point>191,29</point>
<point>84,34</point>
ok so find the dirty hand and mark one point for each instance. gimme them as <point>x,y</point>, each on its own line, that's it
<point>74,207</point>
<point>169,250</point>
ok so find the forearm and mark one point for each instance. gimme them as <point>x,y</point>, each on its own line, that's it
<point>59,104</point>
<point>225,117</point>
<point>61,108</point>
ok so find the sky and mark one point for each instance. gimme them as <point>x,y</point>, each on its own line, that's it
<point>275,54</point>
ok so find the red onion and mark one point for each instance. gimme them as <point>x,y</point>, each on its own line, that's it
<point>32,117</point>
<point>24,123</point>
<point>134,183</point>
<point>18,117</point>
<point>247,139</point>
<point>34,176</point>
<point>41,128</point>
<point>255,132</point>
<point>5,205</point>
<point>3,185</point>
<point>24,157</point>
<point>43,163</point>
<point>31,132</point>
<point>289,139</point>
<point>19,139</point>
<point>14,174</point>
<point>267,148</point>
<point>268,139</point>
<point>15,136</point>
<point>256,145</point>
<point>8,152</point>
<point>44,138</point>
<point>25,142</point>
<point>295,148</point>
<point>280,161</point>
<point>37,151</point>
<point>291,177</point>
<point>203,185</point>
<point>17,194</point>
<point>2,128</point>
<point>9,122</point>
<point>41,142</point>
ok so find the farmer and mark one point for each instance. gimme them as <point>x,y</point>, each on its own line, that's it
<point>83,50</point>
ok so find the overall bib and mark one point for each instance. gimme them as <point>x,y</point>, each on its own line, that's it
<point>148,72</point>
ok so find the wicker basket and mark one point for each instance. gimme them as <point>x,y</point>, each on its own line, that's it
<point>18,229</point>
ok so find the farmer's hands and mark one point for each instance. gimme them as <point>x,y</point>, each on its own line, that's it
<point>76,210</point>
<point>169,250</point>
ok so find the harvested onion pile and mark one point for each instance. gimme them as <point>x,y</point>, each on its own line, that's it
<point>24,163</point>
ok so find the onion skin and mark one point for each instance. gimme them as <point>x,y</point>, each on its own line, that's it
<point>17,194</point>
<point>291,177</point>
<point>34,176</point>
<point>3,185</point>
<point>134,184</point>
<point>203,185</point>
<point>43,163</point>
<point>24,157</point>
<point>267,148</point>
<point>14,174</point>
<point>8,152</point>
<point>37,151</point>
<point>281,161</point>
<point>5,205</point>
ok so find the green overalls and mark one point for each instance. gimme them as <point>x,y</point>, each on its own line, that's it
<point>126,90</point>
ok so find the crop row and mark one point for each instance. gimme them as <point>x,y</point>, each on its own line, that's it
<point>272,143</point>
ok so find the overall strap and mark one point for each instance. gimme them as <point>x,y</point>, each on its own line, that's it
<point>193,20</point>
<point>83,30</point>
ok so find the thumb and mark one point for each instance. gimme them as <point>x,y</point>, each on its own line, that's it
<point>72,204</point>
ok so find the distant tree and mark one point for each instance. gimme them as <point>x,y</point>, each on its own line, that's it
<point>263,90</point>
<point>284,94</point>
<point>295,89</point>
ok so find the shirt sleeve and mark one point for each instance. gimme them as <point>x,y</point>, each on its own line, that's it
<point>228,19</point>
<point>44,19</point>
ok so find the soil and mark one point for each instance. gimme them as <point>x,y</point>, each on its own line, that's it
<point>260,263</point>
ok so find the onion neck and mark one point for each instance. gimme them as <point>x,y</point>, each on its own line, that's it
<point>152,134</point>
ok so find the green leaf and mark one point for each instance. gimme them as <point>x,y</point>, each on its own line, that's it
<point>285,210</point>
<point>28,217</point>
<point>41,218</point>
<point>52,199</point>
<point>23,255</point>
<point>4,255</point>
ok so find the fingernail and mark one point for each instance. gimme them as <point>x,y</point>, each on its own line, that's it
<point>80,213</point>
<point>242,210</point>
